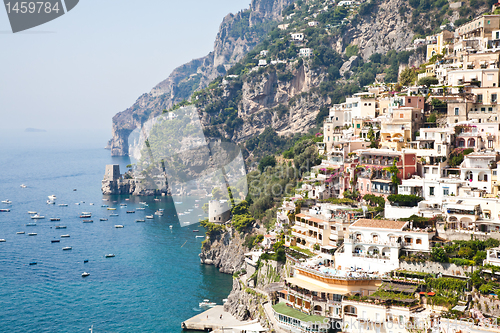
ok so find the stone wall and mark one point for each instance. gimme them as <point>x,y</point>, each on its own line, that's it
<point>435,268</point>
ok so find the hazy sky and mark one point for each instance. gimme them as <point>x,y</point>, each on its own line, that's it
<point>82,68</point>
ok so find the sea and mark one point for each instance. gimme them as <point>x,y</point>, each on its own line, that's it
<point>153,283</point>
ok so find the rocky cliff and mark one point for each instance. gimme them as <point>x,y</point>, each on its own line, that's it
<point>237,35</point>
<point>225,251</point>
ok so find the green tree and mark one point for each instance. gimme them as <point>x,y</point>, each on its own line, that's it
<point>351,50</point>
<point>267,161</point>
<point>428,81</point>
<point>439,255</point>
<point>394,174</point>
<point>408,76</point>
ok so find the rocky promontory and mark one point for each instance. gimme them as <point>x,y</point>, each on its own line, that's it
<point>225,251</point>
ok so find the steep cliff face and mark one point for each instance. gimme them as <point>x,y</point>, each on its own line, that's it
<point>237,35</point>
<point>226,252</point>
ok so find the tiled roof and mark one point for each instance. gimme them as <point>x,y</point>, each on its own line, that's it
<point>382,224</point>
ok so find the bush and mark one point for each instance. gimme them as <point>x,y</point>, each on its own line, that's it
<point>404,200</point>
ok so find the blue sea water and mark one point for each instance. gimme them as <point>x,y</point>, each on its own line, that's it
<point>154,282</point>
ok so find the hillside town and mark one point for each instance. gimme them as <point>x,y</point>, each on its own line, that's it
<point>398,228</point>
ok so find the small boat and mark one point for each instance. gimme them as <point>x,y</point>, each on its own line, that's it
<point>74,189</point>
<point>85,261</point>
<point>55,241</point>
<point>196,230</point>
<point>103,219</point>
<point>64,236</point>
<point>127,199</point>
<point>161,209</point>
<point>4,210</point>
<point>104,206</point>
<point>197,200</point>
<point>77,203</point>
<point>8,202</point>
<point>113,214</point>
<point>178,202</point>
<point>2,240</point>
<point>111,208</point>
<point>37,217</point>
<point>199,236</point>
<point>20,232</point>
<point>23,186</point>
<point>49,202</point>
<point>207,304</point>
<point>105,199</point>
<point>142,203</point>
<point>190,210</point>
<point>180,214</point>
<point>140,208</point>
<point>124,204</point>
<point>200,215</point>
<point>63,205</point>
<point>130,211</point>
<point>91,204</point>
<point>55,219</point>
<point>118,226</point>
<point>156,199</point>
<point>52,197</point>
<point>170,227</point>
<point>85,274</point>
<point>109,255</point>
<point>159,213</point>
<point>33,263</point>
<point>31,224</point>
<point>86,216</point>
<point>32,212</point>
<point>149,216</point>
<point>185,213</point>
<point>60,227</point>
<point>86,213</point>
<point>140,221</point>
<point>196,206</point>
<point>88,221</point>
<point>67,248</point>
<point>32,234</point>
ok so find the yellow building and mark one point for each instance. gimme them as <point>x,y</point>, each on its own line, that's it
<point>436,43</point>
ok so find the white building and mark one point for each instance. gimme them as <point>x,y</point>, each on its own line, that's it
<point>476,170</point>
<point>262,62</point>
<point>493,257</point>
<point>306,52</point>
<point>374,245</point>
<point>297,36</point>
<point>312,23</point>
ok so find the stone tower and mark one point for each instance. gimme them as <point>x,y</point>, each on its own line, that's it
<point>218,211</point>
<point>112,172</point>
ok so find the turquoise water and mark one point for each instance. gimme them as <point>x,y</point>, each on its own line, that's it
<point>154,282</point>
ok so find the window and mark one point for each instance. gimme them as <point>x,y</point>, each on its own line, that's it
<point>490,143</point>
<point>419,241</point>
<point>431,191</point>
<point>494,172</point>
<point>358,126</point>
<point>446,191</point>
<point>489,77</point>
<point>400,115</point>
<point>409,100</point>
<point>490,109</point>
<point>456,111</point>
<point>483,109</point>
<point>493,98</point>
<point>479,98</point>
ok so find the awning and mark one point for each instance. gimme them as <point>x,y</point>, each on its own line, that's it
<point>315,287</point>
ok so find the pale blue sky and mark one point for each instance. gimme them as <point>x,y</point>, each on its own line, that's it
<point>82,68</point>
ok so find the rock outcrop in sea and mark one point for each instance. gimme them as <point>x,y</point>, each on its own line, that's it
<point>225,251</point>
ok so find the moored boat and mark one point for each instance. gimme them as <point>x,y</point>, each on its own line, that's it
<point>55,219</point>
<point>60,227</point>
<point>4,210</point>
<point>63,205</point>
<point>64,236</point>
<point>207,304</point>
<point>118,226</point>
<point>8,202</point>
<point>111,208</point>
<point>149,216</point>
<point>140,221</point>
<point>140,208</point>
<point>130,211</point>
<point>32,234</point>
<point>37,217</point>
<point>20,232</point>
<point>113,214</point>
<point>86,216</point>
<point>109,255</point>
<point>67,248</point>
<point>55,241</point>
<point>85,274</point>
<point>88,221</point>
<point>32,212</point>
<point>52,197</point>
<point>32,224</point>
<point>103,219</point>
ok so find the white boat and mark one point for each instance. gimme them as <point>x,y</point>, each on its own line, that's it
<point>170,227</point>
<point>63,205</point>
<point>60,227</point>
<point>64,236</point>
<point>140,221</point>
<point>37,217</point>
<point>178,202</point>
<point>207,304</point>
<point>196,206</point>
<point>143,203</point>
<point>85,274</point>
<point>109,255</point>
<point>32,224</point>
<point>32,234</point>
<point>91,204</point>
<point>86,213</point>
<point>105,199</point>
<point>123,204</point>
<point>20,232</point>
<point>200,236</point>
<point>190,210</point>
<point>118,226</point>
<point>52,197</point>
<point>159,213</point>
<point>7,201</point>
<point>50,202</point>
<point>67,248</point>
<point>149,216</point>
<point>23,186</point>
<point>113,214</point>
<point>140,208</point>
<point>156,199</point>
<point>103,219</point>
<point>77,203</point>
<point>32,212</point>
<point>2,240</point>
